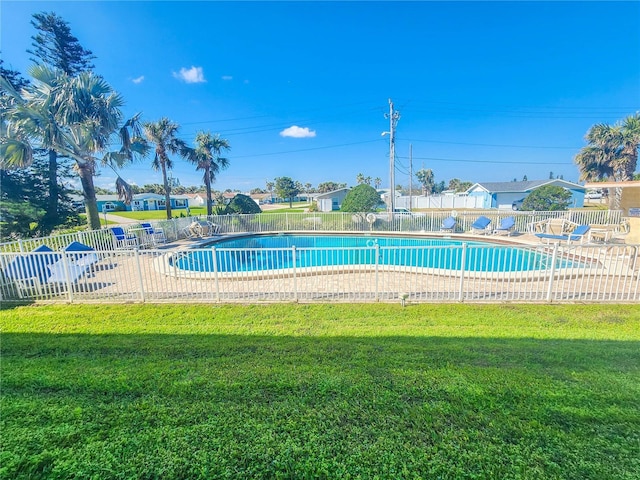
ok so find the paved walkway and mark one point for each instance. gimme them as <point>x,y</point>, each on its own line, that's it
<point>118,219</point>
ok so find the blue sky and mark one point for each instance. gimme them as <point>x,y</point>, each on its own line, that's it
<point>487,91</point>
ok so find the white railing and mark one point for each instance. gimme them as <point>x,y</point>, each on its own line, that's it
<point>317,221</point>
<point>444,273</point>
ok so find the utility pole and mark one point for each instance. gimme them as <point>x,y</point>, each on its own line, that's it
<point>410,177</point>
<point>393,117</point>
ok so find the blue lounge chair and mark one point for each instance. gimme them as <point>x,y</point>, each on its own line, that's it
<point>507,226</point>
<point>481,225</point>
<point>448,225</point>
<point>577,235</point>
<point>155,235</point>
<point>33,269</point>
<point>81,254</point>
<point>121,239</point>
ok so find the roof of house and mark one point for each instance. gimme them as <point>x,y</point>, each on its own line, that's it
<point>332,193</point>
<point>504,187</point>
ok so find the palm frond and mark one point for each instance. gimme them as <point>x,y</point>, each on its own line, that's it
<point>125,193</point>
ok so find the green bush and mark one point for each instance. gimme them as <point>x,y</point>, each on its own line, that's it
<point>243,205</point>
<point>362,198</point>
<point>547,198</point>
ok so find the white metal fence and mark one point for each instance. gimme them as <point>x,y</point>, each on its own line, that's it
<point>177,228</point>
<point>464,273</point>
<point>570,273</point>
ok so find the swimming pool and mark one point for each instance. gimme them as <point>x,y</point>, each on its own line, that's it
<point>261,253</point>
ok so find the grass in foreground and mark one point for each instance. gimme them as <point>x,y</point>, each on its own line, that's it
<point>316,391</point>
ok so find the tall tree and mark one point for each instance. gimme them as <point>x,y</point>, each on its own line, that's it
<point>78,117</point>
<point>426,179</point>
<point>55,46</point>
<point>163,134</point>
<point>286,188</point>
<point>270,186</point>
<point>611,152</point>
<point>207,158</point>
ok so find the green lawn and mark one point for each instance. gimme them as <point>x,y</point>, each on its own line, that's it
<point>320,391</point>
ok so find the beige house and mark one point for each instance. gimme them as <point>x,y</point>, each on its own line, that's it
<point>629,204</point>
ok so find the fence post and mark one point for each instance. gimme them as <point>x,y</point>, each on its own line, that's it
<point>554,256</point>
<point>215,273</point>
<point>295,278</point>
<point>65,263</point>
<point>463,261</point>
<point>377,254</point>
<point>139,268</point>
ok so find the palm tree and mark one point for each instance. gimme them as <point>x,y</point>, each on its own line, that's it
<point>612,152</point>
<point>163,134</point>
<point>426,179</point>
<point>207,158</point>
<point>630,143</point>
<point>270,186</point>
<point>77,117</point>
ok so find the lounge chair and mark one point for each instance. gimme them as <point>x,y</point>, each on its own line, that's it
<point>121,239</point>
<point>481,225</point>
<point>200,229</point>
<point>81,254</point>
<point>448,225</point>
<point>507,226</point>
<point>32,269</point>
<point>579,234</point>
<point>155,235</point>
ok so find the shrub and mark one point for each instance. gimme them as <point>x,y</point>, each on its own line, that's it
<point>362,198</point>
<point>243,205</point>
<point>547,198</point>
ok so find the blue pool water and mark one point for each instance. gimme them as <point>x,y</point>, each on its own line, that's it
<point>274,252</point>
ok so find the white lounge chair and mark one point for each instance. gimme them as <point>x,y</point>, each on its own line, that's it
<point>154,234</point>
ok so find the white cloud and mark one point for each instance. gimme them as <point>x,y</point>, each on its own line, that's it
<point>190,75</point>
<point>298,132</point>
<point>227,77</point>
<point>138,80</point>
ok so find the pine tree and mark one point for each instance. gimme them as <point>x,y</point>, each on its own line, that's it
<point>56,47</point>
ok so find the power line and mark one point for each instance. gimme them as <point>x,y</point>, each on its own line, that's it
<point>305,149</point>
<point>490,144</point>
<point>463,160</point>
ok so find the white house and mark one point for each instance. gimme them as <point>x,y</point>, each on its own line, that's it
<point>330,201</point>
<point>196,199</point>
<point>506,195</point>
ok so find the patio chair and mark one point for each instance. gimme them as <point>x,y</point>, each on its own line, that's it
<point>448,225</point>
<point>481,225</point>
<point>201,229</point>
<point>81,254</point>
<point>156,235</point>
<point>121,239</point>
<point>579,234</point>
<point>507,227</point>
<point>31,270</point>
